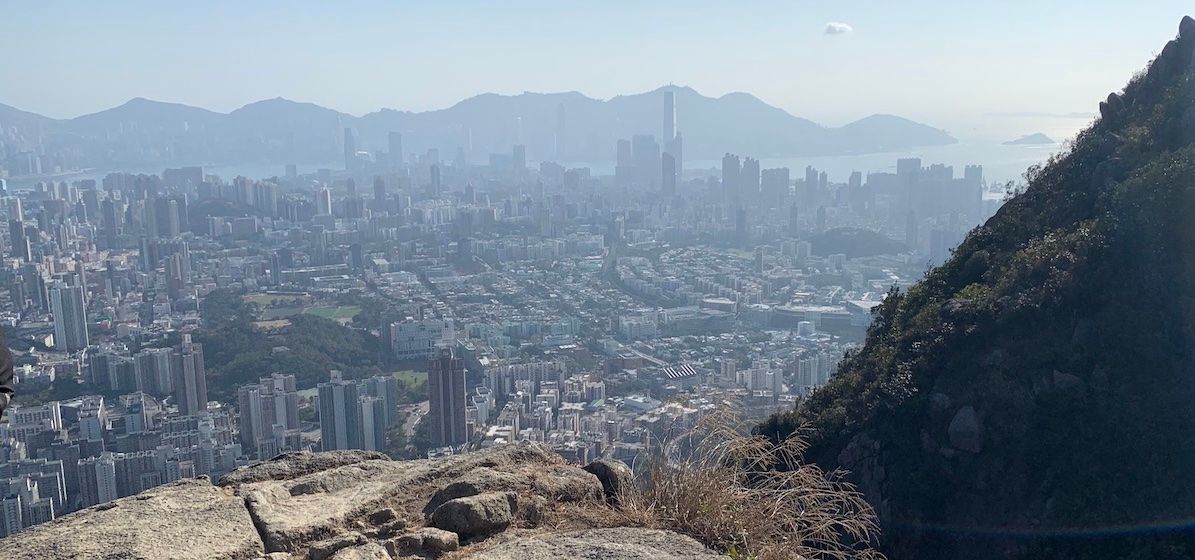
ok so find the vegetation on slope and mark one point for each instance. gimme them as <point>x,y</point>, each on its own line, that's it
<point>1066,324</point>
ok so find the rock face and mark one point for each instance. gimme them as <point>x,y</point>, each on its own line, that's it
<point>186,520</point>
<point>1035,390</point>
<point>356,506</point>
<point>601,544</point>
<point>476,516</point>
<point>614,475</point>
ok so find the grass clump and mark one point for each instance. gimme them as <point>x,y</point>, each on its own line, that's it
<point>749,496</point>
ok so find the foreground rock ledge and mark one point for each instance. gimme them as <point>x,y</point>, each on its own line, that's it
<point>624,543</point>
<point>186,520</point>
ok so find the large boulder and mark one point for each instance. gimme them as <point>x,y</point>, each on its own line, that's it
<point>476,516</point>
<point>601,544</point>
<point>189,519</point>
<point>616,477</point>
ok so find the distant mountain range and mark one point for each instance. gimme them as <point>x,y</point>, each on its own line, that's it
<point>566,127</point>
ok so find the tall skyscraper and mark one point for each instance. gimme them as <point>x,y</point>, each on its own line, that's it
<point>70,317</point>
<point>668,165</point>
<point>350,150</point>
<point>749,179</point>
<point>190,378</point>
<point>645,154</point>
<point>730,176</point>
<point>446,391</point>
<point>379,195</point>
<point>19,240</point>
<point>669,116</point>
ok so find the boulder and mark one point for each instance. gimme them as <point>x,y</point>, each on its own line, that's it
<point>965,430</point>
<point>293,465</point>
<point>474,482</point>
<point>601,544</point>
<point>566,483</point>
<point>438,540</point>
<point>368,551</point>
<point>615,476</point>
<point>476,516</point>
<point>326,548</point>
<point>189,519</point>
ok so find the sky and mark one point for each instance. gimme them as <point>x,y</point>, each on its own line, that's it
<point>950,64</point>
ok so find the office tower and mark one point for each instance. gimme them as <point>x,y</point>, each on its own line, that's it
<point>350,150</point>
<point>19,241</point>
<point>292,171</point>
<point>669,116</point>
<point>811,181</point>
<point>645,156</point>
<point>379,195</point>
<point>190,378</point>
<point>675,148</point>
<point>435,175</point>
<point>446,392</point>
<point>395,150</point>
<point>561,131</point>
<point>730,176</point>
<point>774,186</point>
<point>794,226</point>
<point>623,153</point>
<point>339,420</point>
<point>519,159</point>
<point>175,282</point>
<point>70,317</point>
<point>749,179</point>
<point>323,201</point>
<point>668,185</point>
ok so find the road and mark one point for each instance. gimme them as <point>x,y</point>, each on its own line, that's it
<point>415,414</point>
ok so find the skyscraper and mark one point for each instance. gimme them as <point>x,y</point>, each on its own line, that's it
<point>668,165</point>
<point>645,154</point>
<point>730,176</point>
<point>669,116</point>
<point>446,391</point>
<point>339,421</point>
<point>190,378</point>
<point>350,150</point>
<point>70,317</point>
<point>323,201</point>
<point>379,195</point>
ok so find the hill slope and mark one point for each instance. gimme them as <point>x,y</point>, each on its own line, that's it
<point>1033,397</point>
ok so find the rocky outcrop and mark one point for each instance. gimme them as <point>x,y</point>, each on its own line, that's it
<point>495,503</point>
<point>185,520</point>
<point>601,544</point>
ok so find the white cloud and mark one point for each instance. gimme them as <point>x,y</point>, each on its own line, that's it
<point>838,28</point>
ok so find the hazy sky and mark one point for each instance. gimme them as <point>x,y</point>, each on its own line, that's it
<point>941,62</point>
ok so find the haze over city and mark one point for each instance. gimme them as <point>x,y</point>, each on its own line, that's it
<point>620,280</point>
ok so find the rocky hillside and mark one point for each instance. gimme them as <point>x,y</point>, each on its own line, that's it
<point>1034,397</point>
<point>516,502</point>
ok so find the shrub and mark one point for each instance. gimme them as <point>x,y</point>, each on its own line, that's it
<point>750,497</point>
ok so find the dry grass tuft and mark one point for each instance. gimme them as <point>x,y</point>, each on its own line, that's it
<point>750,497</point>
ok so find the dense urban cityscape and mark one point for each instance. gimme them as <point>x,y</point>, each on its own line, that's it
<point>181,324</point>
